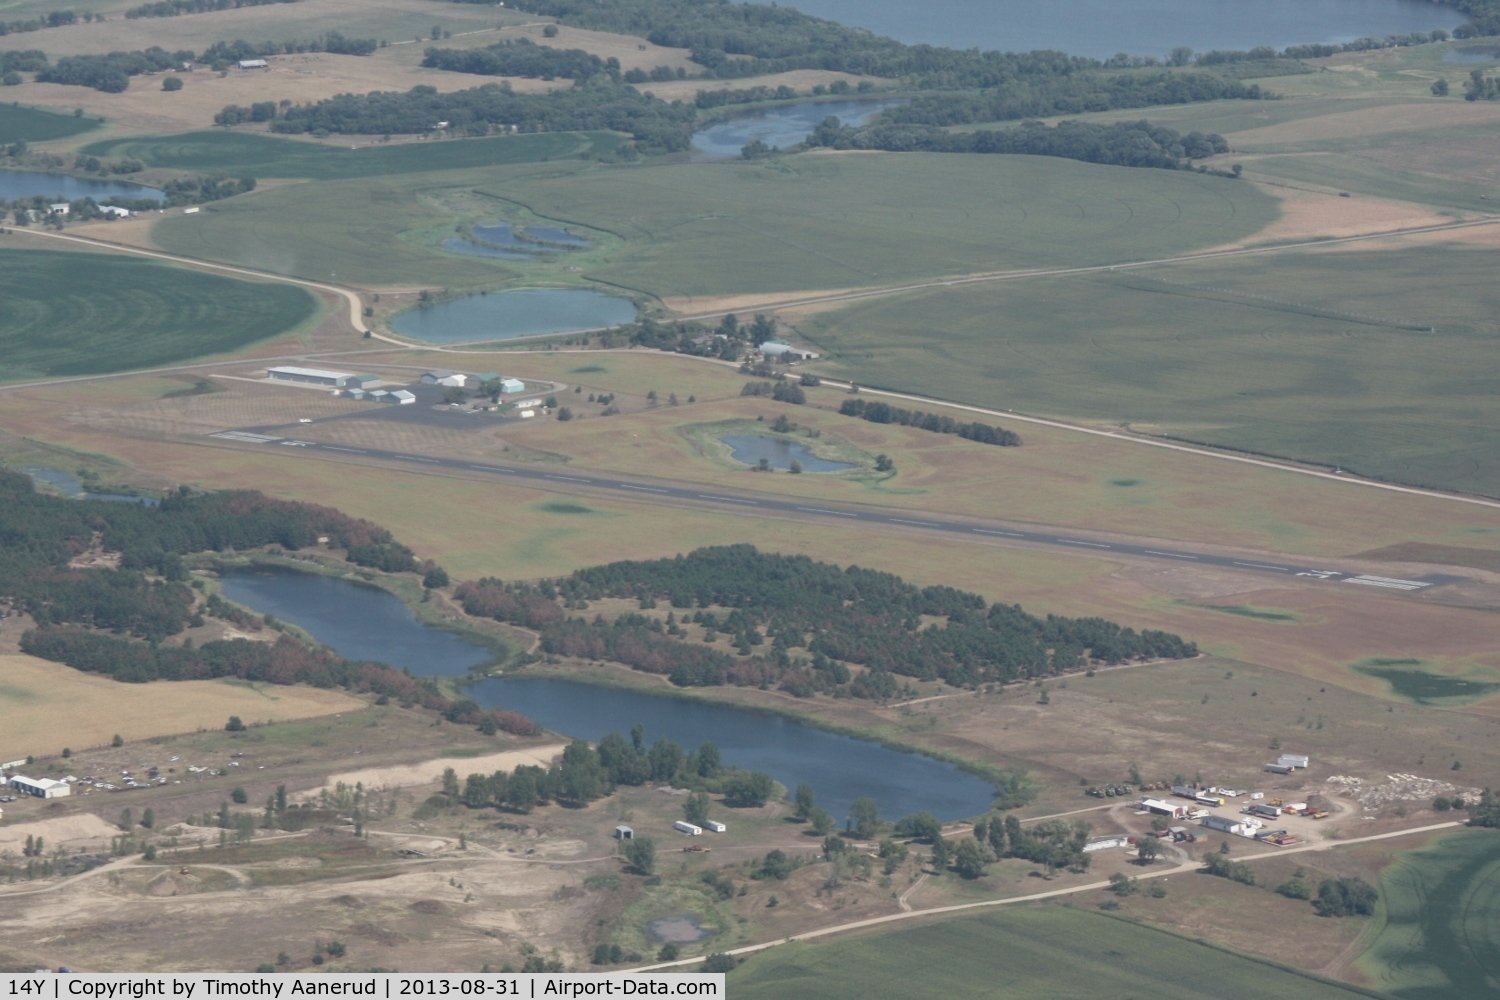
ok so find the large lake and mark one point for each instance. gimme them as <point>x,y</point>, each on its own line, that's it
<point>520,312</point>
<point>362,622</point>
<point>1101,28</point>
<point>28,183</point>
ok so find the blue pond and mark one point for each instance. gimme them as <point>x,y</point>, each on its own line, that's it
<point>782,127</point>
<point>520,312</point>
<point>536,242</point>
<point>460,245</point>
<point>361,622</point>
<point>69,485</point>
<point>751,448</point>
<point>28,183</point>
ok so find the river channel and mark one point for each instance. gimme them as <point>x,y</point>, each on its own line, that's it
<point>1101,28</point>
<point>362,622</point>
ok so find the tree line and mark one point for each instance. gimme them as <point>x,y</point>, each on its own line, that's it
<point>523,57</point>
<point>883,413</point>
<point>655,125</point>
<point>172,8</point>
<point>586,773</point>
<point>838,615</point>
<point>54,19</point>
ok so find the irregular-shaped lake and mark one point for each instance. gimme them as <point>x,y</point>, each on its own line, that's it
<point>29,183</point>
<point>520,312</point>
<point>779,454</point>
<point>362,622</point>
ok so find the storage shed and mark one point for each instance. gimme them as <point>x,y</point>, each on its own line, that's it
<point>623,832</point>
<point>42,788</point>
<point>509,386</point>
<point>1292,760</point>
<point>308,376</point>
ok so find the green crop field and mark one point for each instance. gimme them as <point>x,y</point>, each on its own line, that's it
<point>836,221</point>
<point>1042,953</point>
<point>84,314</point>
<point>1379,362</point>
<point>239,153</point>
<point>32,125</point>
<point>1441,933</point>
<point>810,222</point>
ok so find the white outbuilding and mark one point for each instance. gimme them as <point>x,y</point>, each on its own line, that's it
<point>42,788</point>
<point>456,380</point>
<point>691,829</point>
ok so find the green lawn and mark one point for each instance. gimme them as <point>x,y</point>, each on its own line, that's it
<point>1441,934</point>
<point>17,122</point>
<point>84,314</point>
<point>1041,953</point>
<point>239,153</point>
<point>1323,356</point>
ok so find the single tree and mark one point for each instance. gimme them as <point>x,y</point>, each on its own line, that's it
<point>695,809</point>
<point>1146,849</point>
<point>804,802</point>
<point>234,725</point>
<point>640,853</point>
<point>969,859</point>
<point>435,578</point>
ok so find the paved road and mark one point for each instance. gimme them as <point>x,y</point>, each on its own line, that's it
<point>572,482</point>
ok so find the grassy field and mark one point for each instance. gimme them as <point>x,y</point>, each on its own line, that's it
<point>83,314</point>
<point>808,222</point>
<point>260,155</point>
<point>47,706</point>
<point>834,221</point>
<point>1373,361</point>
<point>1441,933</point>
<point>1052,952</point>
<point>32,125</point>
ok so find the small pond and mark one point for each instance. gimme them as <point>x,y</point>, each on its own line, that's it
<point>27,183</point>
<point>356,620</point>
<point>363,622</point>
<point>785,126</point>
<point>70,486</point>
<point>1485,54</point>
<point>520,312</point>
<point>680,929</point>
<point>779,454</point>
<point>499,239</point>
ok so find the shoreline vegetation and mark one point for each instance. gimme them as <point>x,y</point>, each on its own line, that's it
<point>151,597</point>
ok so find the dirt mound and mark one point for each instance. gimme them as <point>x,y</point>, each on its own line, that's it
<point>429,906</point>
<point>353,902</point>
<point>172,884</point>
<point>56,832</point>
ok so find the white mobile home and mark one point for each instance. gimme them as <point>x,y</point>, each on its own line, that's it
<point>715,826</point>
<point>683,826</point>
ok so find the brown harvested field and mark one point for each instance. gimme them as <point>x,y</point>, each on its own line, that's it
<point>308,77</point>
<point>47,706</point>
<point>1387,119</point>
<point>395,21</point>
<point>800,80</point>
<point>1318,215</point>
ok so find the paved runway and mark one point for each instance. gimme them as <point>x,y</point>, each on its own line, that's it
<point>726,499</point>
